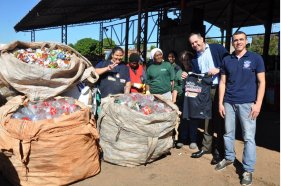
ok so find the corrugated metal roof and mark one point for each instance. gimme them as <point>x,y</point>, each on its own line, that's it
<point>50,13</point>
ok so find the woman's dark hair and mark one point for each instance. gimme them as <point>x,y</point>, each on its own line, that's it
<point>186,56</point>
<point>173,52</point>
<point>115,49</point>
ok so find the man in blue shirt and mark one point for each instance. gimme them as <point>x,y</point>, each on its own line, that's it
<point>208,59</point>
<point>241,92</point>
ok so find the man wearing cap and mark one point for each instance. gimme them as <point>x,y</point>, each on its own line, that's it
<point>137,74</point>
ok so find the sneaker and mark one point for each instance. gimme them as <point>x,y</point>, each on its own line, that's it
<point>179,145</point>
<point>247,178</point>
<point>222,164</point>
<point>192,145</point>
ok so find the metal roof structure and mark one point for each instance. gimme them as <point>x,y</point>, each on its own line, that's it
<point>50,13</point>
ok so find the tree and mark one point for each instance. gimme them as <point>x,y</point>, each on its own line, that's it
<point>212,41</point>
<point>273,45</point>
<point>108,43</point>
<point>87,47</point>
<point>152,47</point>
<point>71,45</point>
<point>257,45</point>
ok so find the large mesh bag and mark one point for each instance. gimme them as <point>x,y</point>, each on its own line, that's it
<point>130,138</point>
<point>55,151</point>
<point>39,82</point>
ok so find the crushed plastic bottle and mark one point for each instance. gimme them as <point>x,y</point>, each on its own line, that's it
<point>147,104</point>
<point>56,58</point>
<point>47,109</point>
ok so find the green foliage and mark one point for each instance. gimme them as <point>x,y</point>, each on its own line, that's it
<point>108,43</point>
<point>87,47</point>
<point>90,48</point>
<point>152,47</point>
<point>71,45</point>
<point>212,41</point>
<point>257,45</point>
<point>273,45</point>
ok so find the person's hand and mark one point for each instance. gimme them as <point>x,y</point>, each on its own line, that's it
<point>213,71</point>
<point>255,111</point>
<point>221,110</point>
<point>137,85</point>
<point>147,92</point>
<point>184,75</point>
<point>112,66</point>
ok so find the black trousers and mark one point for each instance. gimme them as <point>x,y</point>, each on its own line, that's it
<point>214,129</point>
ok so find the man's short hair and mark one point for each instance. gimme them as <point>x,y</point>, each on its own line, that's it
<point>238,33</point>
<point>134,57</point>
<point>197,33</point>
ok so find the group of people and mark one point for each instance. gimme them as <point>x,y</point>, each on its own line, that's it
<point>236,91</point>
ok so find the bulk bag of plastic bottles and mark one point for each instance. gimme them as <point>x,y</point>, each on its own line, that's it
<point>53,151</point>
<point>42,69</point>
<point>136,132</point>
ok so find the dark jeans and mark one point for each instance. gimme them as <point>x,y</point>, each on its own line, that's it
<point>211,143</point>
<point>187,128</point>
<point>188,131</point>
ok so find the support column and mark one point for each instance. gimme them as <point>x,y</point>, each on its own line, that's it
<point>139,25</point>
<point>32,35</point>
<point>267,27</point>
<point>222,36</point>
<point>127,39</point>
<point>142,31</point>
<point>101,39</point>
<point>64,34</point>
<point>229,24</point>
<point>160,18</point>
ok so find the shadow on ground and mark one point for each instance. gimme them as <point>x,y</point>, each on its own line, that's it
<point>267,132</point>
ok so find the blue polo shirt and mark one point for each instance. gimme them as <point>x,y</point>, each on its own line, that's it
<point>241,77</point>
<point>114,81</point>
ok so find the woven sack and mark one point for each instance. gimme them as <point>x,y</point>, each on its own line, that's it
<point>38,82</point>
<point>48,152</point>
<point>130,138</point>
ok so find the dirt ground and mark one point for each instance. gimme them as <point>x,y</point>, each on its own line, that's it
<point>179,169</point>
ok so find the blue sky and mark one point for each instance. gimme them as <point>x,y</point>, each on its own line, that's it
<point>12,11</point>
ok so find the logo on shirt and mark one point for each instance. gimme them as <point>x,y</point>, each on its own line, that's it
<point>247,64</point>
<point>111,78</point>
<point>192,90</point>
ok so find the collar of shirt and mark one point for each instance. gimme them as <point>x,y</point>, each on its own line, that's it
<point>206,47</point>
<point>233,55</point>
